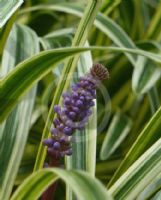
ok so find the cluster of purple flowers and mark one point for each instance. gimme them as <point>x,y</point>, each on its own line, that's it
<point>75,111</point>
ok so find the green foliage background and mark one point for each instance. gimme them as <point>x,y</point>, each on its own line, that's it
<point>47,44</point>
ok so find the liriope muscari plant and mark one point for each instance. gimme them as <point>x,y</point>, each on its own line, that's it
<point>74,113</point>
<point>123,160</point>
<point>72,116</point>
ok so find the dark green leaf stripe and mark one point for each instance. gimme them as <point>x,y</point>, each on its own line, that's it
<point>84,186</point>
<point>139,175</point>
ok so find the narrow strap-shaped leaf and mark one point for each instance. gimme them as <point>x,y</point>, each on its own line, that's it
<point>7,8</point>
<point>151,189</point>
<point>154,99</point>
<point>32,70</point>
<point>145,75</point>
<point>14,135</point>
<point>157,196</point>
<point>119,37</point>
<point>84,185</point>
<point>154,28</point>
<point>104,23</point>
<point>147,137</point>
<point>141,173</point>
<point>108,6</point>
<point>4,32</point>
<point>118,130</point>
<point>27,73</point>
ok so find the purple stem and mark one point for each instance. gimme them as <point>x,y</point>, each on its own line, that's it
<point>49,193</point>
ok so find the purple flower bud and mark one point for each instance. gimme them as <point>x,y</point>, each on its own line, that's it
<point>67,101</point>
<point>73,102</point>
<point>86,83</point>
<point>83,92</point>
<point>80,84</point>
<point>75,95</point>
<point>56,145</point>
<point>57,109</point>
<point>54,131</point>
<point>89,97</point>
<point>69,123</point>
<point>56,122</point>
<point>66,94</point>
<point>82,98</point>
<point>63,118</point>
<point>67,130</point>
<point>76,109</point>
<point>65,111</point>
<point>75,87</point>
<point>48,142</point>
<point>79,103</point>
<point>63,139</point>
<point>72,115</point>
<point>61,126</point>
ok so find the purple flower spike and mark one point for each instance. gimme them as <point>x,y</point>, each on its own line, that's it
<point>75,112</point>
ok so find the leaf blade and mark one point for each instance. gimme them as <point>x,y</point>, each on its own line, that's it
<point>12,139</point>
<point>81,183</point>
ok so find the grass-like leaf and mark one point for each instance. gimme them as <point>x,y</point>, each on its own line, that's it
<point>83,185</point>
<point>117,132</point>
<point>136,178</point>
<point>117,35</point>
<point>15,131</point>
<point>147,137</point>
<point>7,8</point>
<point>32,70</point>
